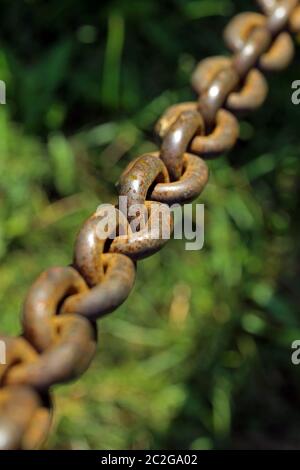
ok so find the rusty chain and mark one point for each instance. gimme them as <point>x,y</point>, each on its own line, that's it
<point>61,308</point>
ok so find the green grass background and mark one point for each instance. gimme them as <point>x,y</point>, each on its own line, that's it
<point>199,357</point>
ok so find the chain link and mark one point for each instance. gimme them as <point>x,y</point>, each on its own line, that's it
<point>59,331</point>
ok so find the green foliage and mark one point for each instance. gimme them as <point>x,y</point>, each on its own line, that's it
<point>199,355</point>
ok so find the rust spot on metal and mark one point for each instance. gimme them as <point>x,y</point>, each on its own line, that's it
<point>251,95</point>
<point>42,302</point>
<point>110,293</point>
<point>222,138</point>
<point>25,419</point>
<point>280,55</point>
<point>149,240</point>
<point>189,186</point>
<point>177,140</point>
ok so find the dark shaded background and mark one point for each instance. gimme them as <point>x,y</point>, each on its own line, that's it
<point>199,357</point>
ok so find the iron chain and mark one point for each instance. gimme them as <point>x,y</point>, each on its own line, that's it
<point>59,336</point>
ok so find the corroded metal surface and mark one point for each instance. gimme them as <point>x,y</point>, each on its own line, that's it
<point>59,336</point>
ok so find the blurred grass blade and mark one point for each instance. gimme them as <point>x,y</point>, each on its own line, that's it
<point>63,164</point>
<point>110,93</point>
<point>201,9</point>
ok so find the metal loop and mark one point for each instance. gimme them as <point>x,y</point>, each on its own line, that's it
<point>213,99</point>
<point>25,418</point>
<point>237,100</point>
<point>67,358</point>
<point>247,34</point>
<point>151,238</point>
<point>267,6</point>
<point>294,23</point>
<point>239,29</point>
<point>113,290</point>
<point>279,12</point>
<point>258,43</point>
<point>91,239</point>
<point>189,186</point>
<point>177,140</point>
<point>252,94</point>
<point>43,300</point>
<point>207,70</point>
<point>171,115</point>
<point>221,139</point>
<point>57,303</point>
<point>280,55</point>
<point>110,276</point>
<point>137,178</point>
<point>18,351</point>
<point>214,79</point>
<point>88,250</point>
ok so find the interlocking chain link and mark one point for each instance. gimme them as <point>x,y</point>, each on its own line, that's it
<point>59,336</point>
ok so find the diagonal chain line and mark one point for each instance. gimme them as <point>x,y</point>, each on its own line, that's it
<point>59,336</point>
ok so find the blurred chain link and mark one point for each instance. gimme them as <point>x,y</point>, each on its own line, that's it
<point>59,331</point>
